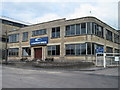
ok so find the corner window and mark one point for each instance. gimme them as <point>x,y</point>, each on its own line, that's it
<point>56,32</point>
<point>116,38</point>
<point>83,49</point>
<point>109,35</point>
<point>83,28</point>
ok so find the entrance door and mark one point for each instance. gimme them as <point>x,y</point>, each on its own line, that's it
<point>38,53</point>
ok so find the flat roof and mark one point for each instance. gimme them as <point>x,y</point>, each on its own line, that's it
<point>13,20</point>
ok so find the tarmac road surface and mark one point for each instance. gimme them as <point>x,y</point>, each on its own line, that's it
<point>24,78</point>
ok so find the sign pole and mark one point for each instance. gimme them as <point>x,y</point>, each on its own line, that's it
<point>104,60</point>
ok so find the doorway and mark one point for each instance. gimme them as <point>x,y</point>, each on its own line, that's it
<point>38,53</point>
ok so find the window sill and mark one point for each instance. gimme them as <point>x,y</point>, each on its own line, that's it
<point>26,56</point>
<point>13,42</point>
<point>25,41</point>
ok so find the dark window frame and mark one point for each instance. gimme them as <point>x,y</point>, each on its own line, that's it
<point>25,37</point>
<point>39,32</point>
<point>55,33</point>
<point>53,50</point>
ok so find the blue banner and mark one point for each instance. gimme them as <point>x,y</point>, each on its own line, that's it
<point>100,50</point>
<point>40,40</point>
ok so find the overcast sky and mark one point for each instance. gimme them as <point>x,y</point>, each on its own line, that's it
<point>37,11</point>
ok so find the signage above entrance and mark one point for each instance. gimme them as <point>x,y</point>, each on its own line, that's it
<point>40,40</point>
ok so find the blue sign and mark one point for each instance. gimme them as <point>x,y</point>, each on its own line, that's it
<point>40,40</point>
<point>99,50</point>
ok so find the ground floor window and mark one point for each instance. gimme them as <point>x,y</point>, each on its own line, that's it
<point>75,49</point>
<point>109,49</point>
<point>26,51</point>
<point>13,51</point>
<point>117,51</point>
<point>54,50</point>
<point>81,49</point>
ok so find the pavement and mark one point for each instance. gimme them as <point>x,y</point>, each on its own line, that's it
<point>45,78</point>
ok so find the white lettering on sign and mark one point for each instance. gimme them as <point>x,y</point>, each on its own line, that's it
<point>44,42</point>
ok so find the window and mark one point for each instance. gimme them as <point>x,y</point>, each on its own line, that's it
<point>76,29</point>
<point>26,51</point>
<point>83,49</point>
<point>54,50</point>
<point>13,51</point>
<point>3,39</point>
<point>88,48</point>
<point>117,51</point>
<point>109,35</point>
<point>72,28</point>
<point>116,38</point>
<point>39,32</point>
<point>67,32</point>
<point>56,32</point>
<point>25,36</point>
<point>14,38</point>
<point>97,30</point>
<point>76,49</point>
<point>109,49</point>
<point>83,28</point>
<point>89,28</point>
<point>93,48</point>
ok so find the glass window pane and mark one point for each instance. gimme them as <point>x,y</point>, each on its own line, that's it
<point>88,48</point>
<point>72,49</point>
<point>77,49</point>
<point>89,28</point>
<point>77,29</point>
<point>83,28</point>
<point>83,49</point>
<point>72,29</point>
<point>67,32</point>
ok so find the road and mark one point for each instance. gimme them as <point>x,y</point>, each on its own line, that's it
<point>24,78</point>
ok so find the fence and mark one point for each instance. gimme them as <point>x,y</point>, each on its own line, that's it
<point>107,59</point>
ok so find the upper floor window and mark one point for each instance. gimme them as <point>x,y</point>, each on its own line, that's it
<point>25,36</point>
<point>109,35</point>
<point>116,38</point>
<point>83,28</point>
<point>14,38</point>
<point>39,32</point>
<point>75,29</point>
<point>56,32</point>
<point>97,30</point>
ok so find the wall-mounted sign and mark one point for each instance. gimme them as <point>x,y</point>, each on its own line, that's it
<point>99,50</point>
<point>117,59</point>
<point>40,40</point>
